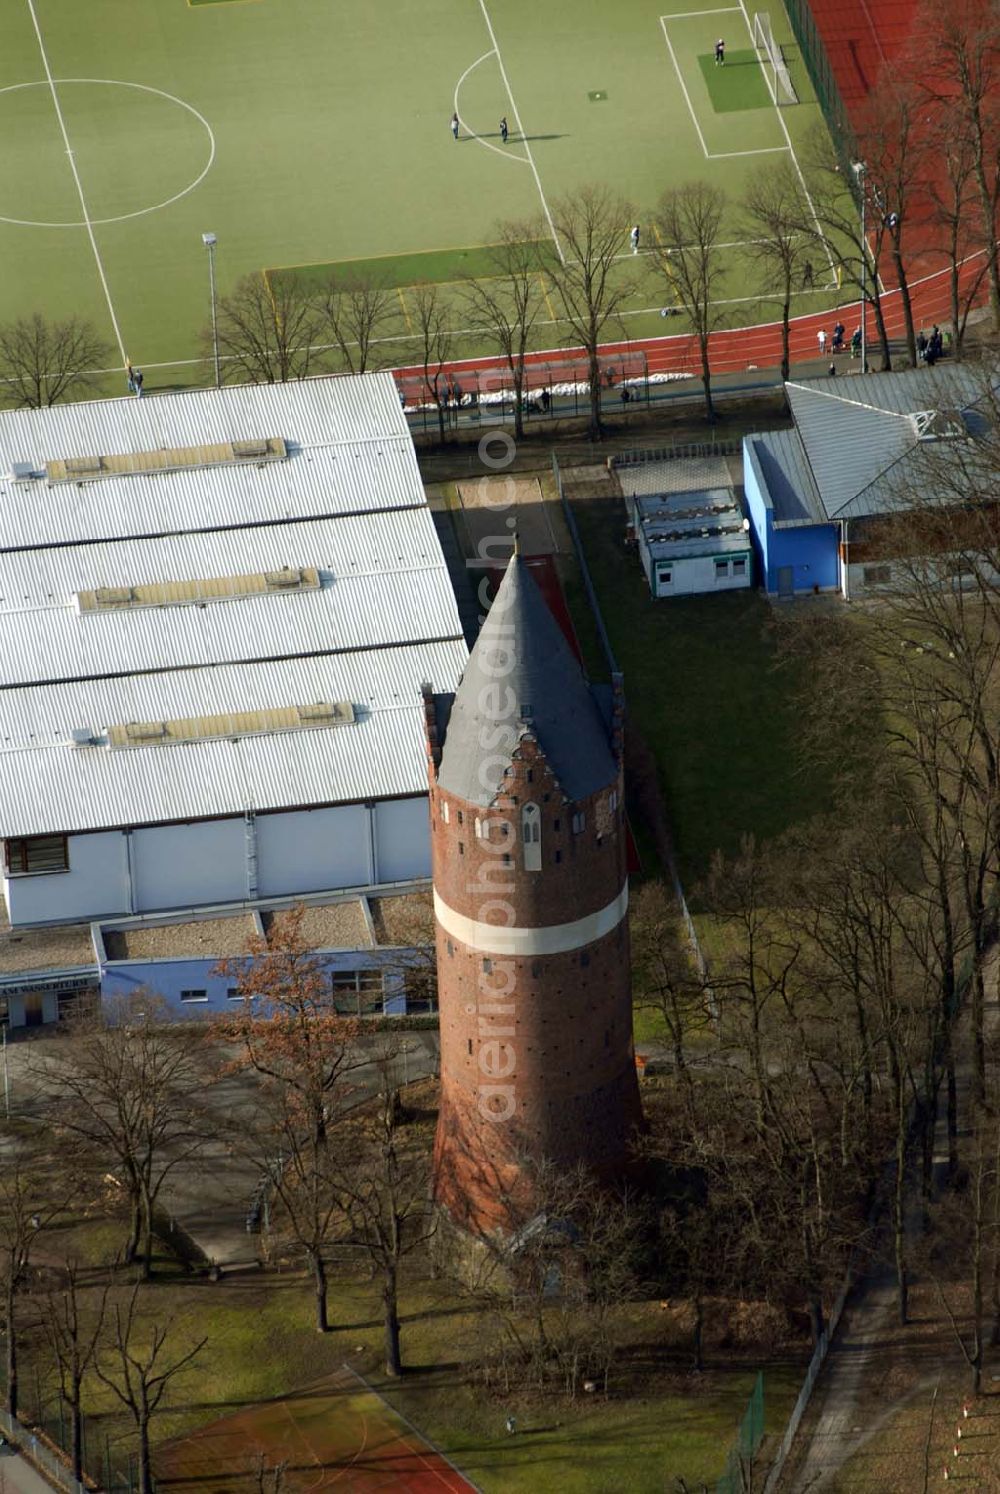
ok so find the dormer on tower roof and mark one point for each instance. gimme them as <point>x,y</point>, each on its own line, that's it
<point>522,677</point>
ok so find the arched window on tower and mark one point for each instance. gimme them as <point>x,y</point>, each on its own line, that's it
<point>531,837</point>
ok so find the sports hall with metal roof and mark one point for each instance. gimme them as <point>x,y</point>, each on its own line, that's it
<point>228,565</point>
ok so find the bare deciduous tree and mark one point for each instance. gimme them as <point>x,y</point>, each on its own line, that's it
<point>775,209</point>
<point>135,1367</point>
<point>959,72</point>
<point>431,334</point>
<point>589,281</point>
<point>269,329</point>
<point>664,979</point>
<point>357,313</point>
<point>74,1335</point>
<point>952,214</point>
<point>127,1084</point>
<point>290,1035</point>
<point>508,300</point>
<point>555,1279</point>
<point>891,140</point>
<point>687,251</point>
<point>42,362</point>
<point>384,1185</point>
<point>25,1208</point>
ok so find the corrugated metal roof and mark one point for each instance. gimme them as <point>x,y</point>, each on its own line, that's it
<point>366,636</point>
<point>314,412</point>
<point>855,431</point>
<point>350,451</point>
<point>384,581</point>
<point>47,785</point>
<point>786,477</point>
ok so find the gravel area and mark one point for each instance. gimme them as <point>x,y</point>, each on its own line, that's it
<point>45,949</point>
<point>199,938</point>
<point>333,926</point>
<point>408,919</point>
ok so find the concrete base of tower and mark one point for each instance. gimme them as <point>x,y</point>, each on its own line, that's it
<point>477,1261</point>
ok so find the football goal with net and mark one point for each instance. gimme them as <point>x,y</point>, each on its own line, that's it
<point>772,61</point>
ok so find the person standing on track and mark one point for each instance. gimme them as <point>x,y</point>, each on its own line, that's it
<point>720,53</point>
<point>821,339</point>
<point>504,131</point>
<point>454,125</point>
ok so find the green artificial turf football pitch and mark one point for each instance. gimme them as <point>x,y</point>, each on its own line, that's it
<point>314,136</point>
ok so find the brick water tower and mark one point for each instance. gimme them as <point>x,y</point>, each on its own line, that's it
<point>531,907</point>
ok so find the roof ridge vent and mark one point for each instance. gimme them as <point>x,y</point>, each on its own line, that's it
<point>232,725</point>
<point>938,424</point>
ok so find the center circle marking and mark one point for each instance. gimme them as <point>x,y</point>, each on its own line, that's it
<point>140,212</point>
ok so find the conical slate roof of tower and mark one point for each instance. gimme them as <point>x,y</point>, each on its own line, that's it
<point>522,650</point>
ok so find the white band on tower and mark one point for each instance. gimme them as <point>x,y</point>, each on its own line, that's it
<point>557,938</point>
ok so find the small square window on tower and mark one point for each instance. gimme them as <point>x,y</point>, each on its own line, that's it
<point>579,822</point>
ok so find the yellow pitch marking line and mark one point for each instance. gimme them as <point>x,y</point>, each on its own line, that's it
<point>545,293</point>
<point>406,312</point>
<point>311,264</point>
<point>669,270</point>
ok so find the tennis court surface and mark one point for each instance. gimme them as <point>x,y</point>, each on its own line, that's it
<point>339,1433</point>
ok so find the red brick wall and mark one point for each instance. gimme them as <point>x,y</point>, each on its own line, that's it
<point>546,1042</point>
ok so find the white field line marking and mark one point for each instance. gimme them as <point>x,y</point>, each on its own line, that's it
<point>79,184</point>
<point>791,150</point>
<point>680,79</point>
<point>686,15</point>
<point>520,126</point>
<point>139,212</point>
<point>508,155</point>
<point>710,155</point>
<point>761,150</point>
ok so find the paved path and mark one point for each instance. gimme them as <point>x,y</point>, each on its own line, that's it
<point>17,1476</point>
<point>209,1195</point>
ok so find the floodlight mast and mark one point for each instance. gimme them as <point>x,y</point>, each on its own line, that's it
<point>209,240</point>
<point>858,167</point>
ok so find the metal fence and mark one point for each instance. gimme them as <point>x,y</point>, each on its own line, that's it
<point>43,1432</point>
<point>555,388</point>
<point>736,1479</point>
<point>820,69</point>
<point>595,607</point>
<point>689,450</point>
<point>48,1463</point>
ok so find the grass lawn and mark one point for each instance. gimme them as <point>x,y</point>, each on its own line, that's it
<point>659,1423</point>
<point>703,688</point>
<point>318,135</point>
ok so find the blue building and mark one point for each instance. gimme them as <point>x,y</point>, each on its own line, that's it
<point>377,951</point>
<point>816,495</point>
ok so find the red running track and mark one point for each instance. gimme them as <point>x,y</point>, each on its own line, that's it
<point>861,37</point>
<point>744,348</point>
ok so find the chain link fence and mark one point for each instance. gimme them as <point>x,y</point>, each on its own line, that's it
<point>820,69</point>
<point>552,389</point>
<point>43,1432</point>
<point>738,1477</point>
